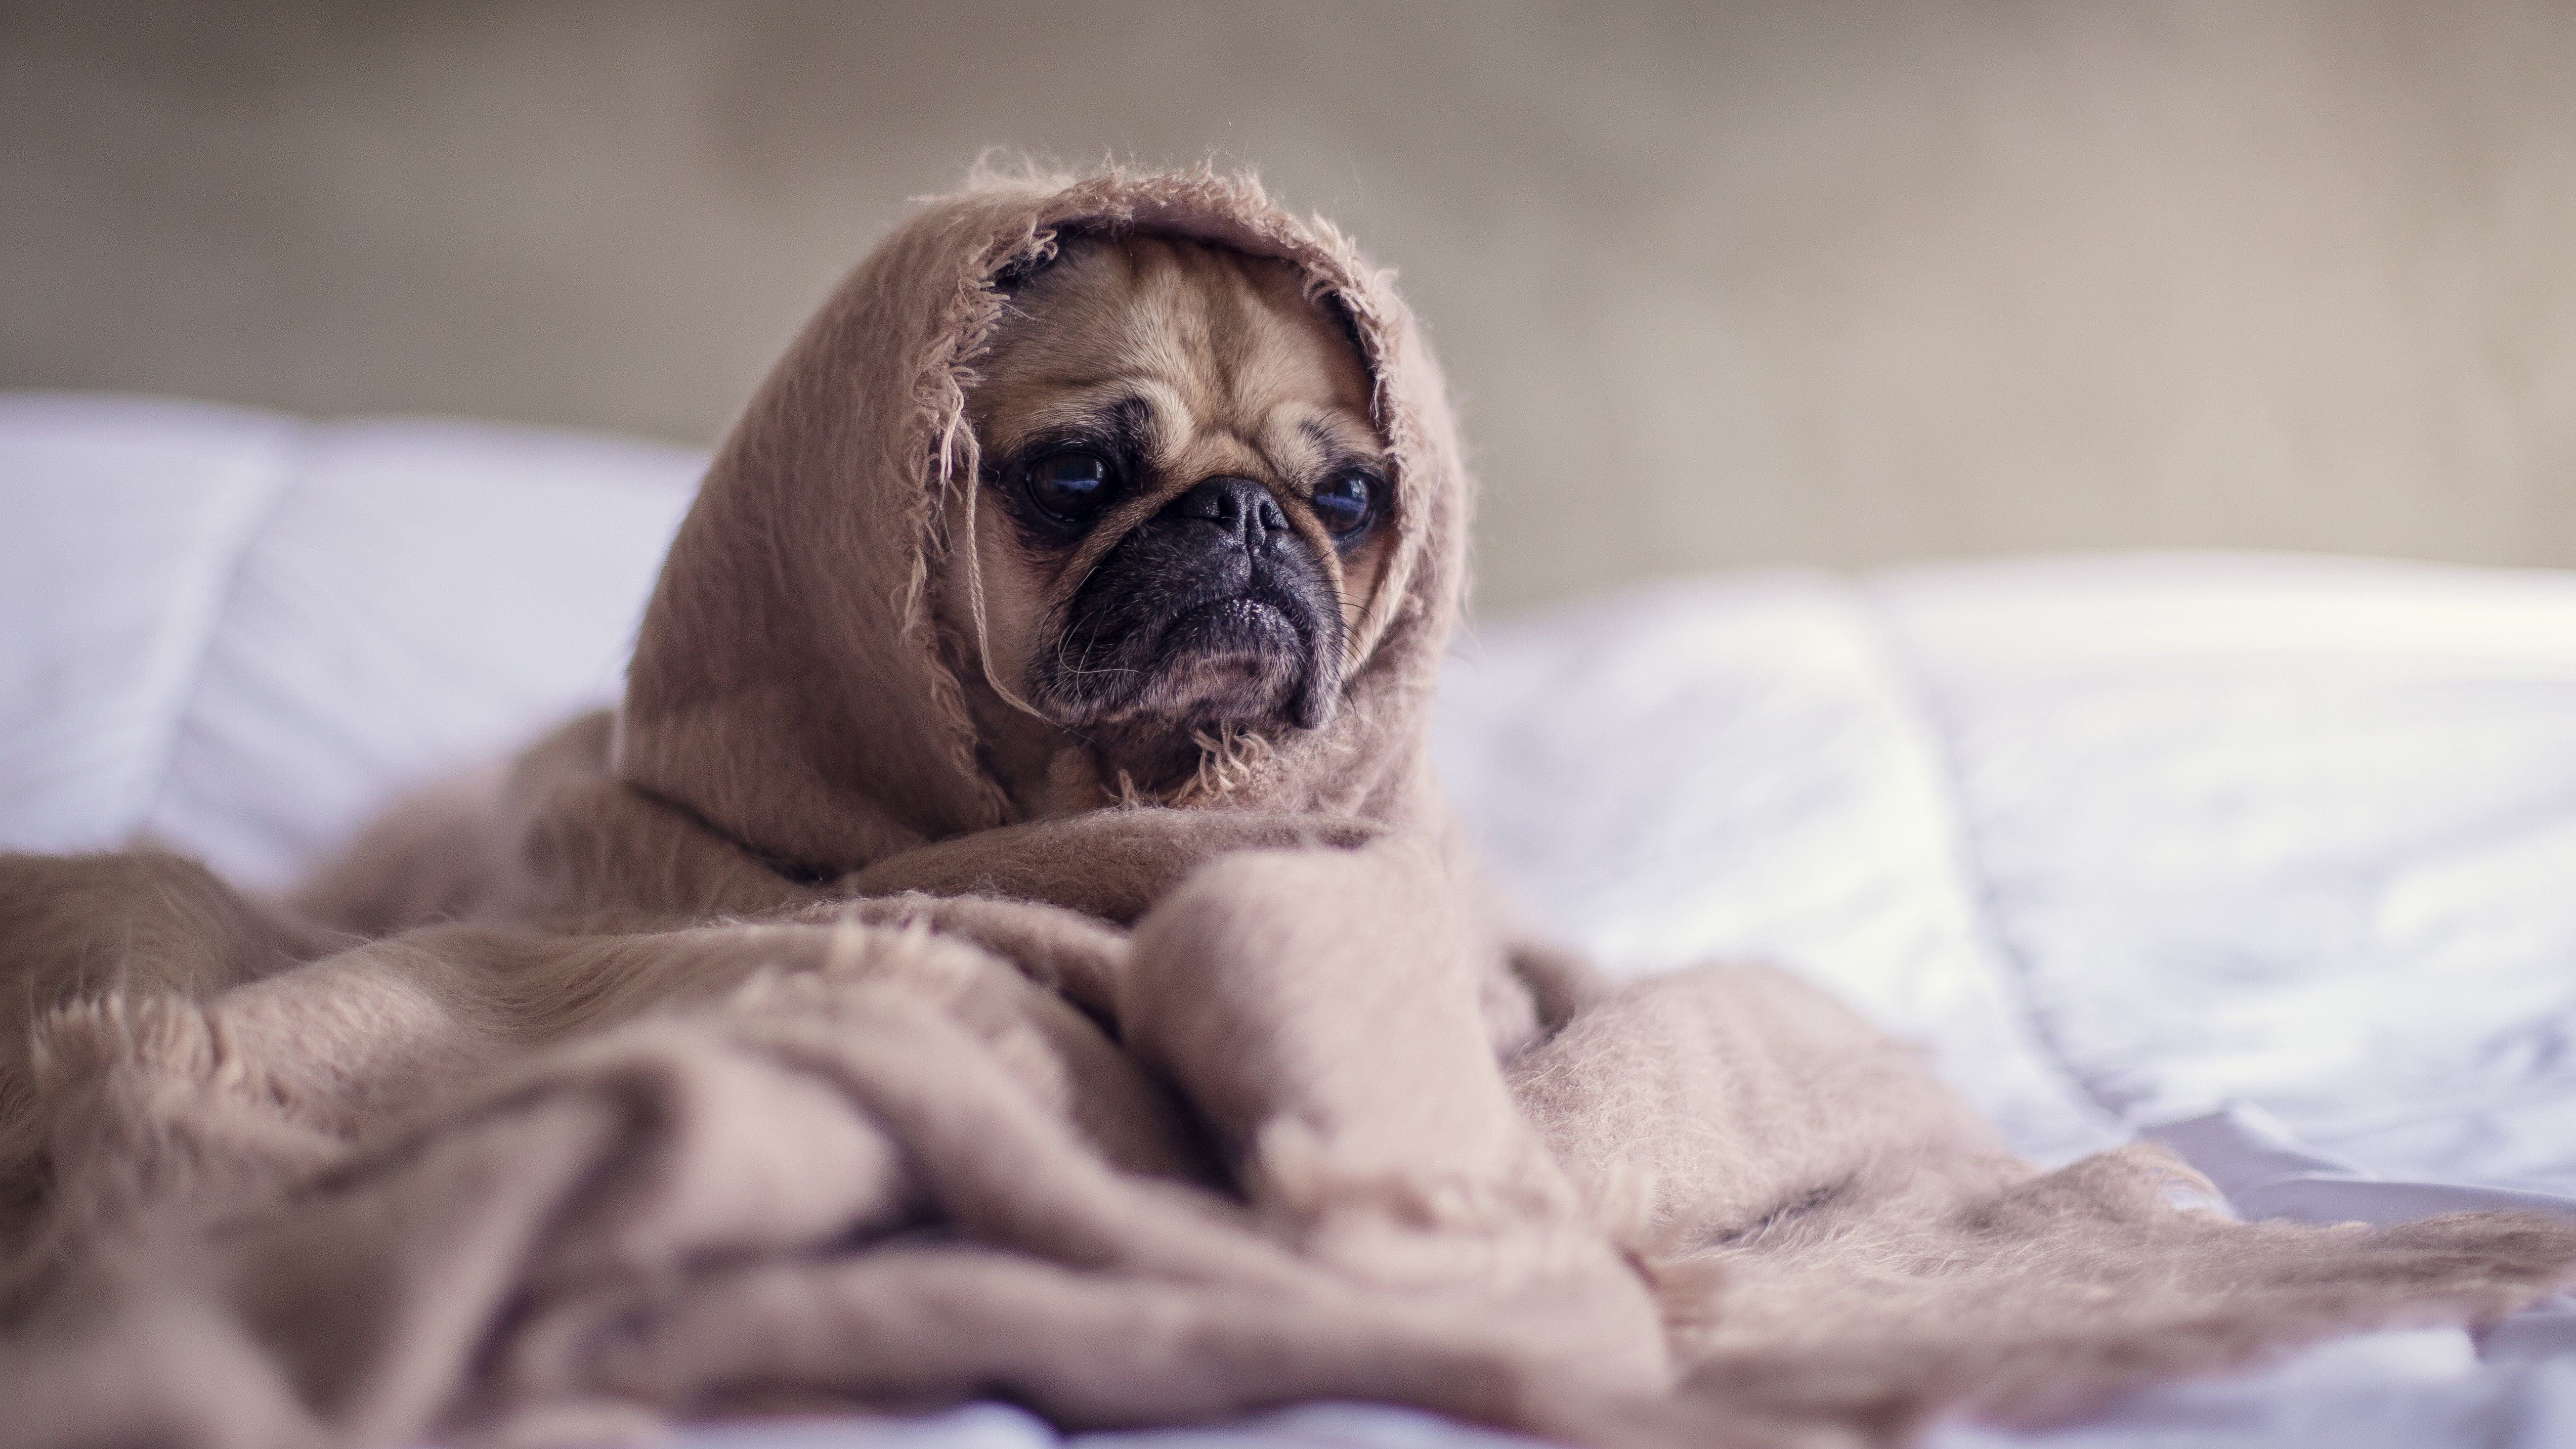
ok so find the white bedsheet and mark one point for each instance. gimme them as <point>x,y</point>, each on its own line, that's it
<point>2272,858</point>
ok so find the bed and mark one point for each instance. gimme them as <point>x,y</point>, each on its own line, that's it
<point>2270,858</point>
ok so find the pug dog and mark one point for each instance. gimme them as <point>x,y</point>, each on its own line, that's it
<point>1179,514</point>
<point>1181,510</point>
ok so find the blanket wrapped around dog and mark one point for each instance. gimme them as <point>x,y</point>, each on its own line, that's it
<point>743,1052</point>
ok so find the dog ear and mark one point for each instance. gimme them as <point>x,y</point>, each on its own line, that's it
<point>1015,273</point>
<point>1337,309</point>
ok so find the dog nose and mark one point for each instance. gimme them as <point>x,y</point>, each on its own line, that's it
<point>1237,505</point>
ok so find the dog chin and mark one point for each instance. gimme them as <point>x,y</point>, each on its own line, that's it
<point>1245,660</point>
<point>1239,661</point>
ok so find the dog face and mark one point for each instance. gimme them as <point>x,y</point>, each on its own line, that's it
<point>1184,505</point>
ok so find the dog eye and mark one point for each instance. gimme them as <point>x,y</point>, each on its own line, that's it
<point>1070,485</point>
<point>1345,502</point>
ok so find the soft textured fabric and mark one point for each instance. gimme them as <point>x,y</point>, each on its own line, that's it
<point>760,1059</point>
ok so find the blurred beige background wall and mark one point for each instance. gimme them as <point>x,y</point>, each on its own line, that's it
<point>1720,283</point>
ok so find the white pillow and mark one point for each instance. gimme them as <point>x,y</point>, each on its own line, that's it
<point>2297,831</point>
<point>239,633</point>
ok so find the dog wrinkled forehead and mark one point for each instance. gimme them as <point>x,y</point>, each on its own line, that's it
<point>1201,358</point>
<point>1047,248</point>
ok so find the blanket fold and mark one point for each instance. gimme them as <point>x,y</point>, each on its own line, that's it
<point>745,1051</point>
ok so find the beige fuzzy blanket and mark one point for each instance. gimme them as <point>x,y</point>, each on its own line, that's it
<point>742,1052</point>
